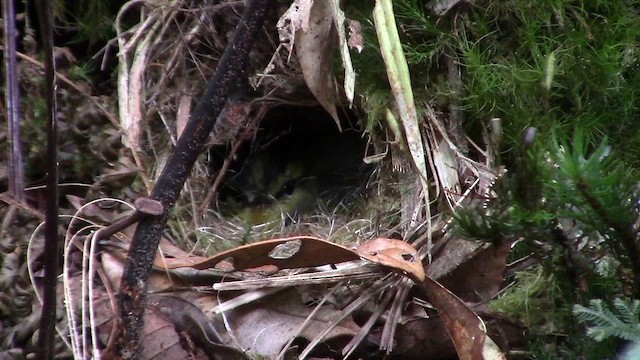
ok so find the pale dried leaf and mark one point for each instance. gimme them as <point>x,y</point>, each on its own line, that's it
<point>295,18</point>
<point>491,351</point>
<point>75,201</point>
<point>449,158</point>
<point>349,74</point>
<point>314,49</point>
<point>113,264</point>
<point>266,329</point>
<point>184,111</point>
<point>191,322</point>
<point>444,159</point>
<point>131,83</point>
<point>356,40</point>
<point>441,7</point>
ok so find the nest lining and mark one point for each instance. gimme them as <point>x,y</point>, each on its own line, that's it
<point>299,174</point>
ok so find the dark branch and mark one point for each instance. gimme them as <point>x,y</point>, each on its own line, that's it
<point>147,236</point>
<point>48,319</point>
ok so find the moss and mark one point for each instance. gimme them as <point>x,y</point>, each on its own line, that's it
<point>91,21</point>
<point>538,300</point>
<point>505,49</point>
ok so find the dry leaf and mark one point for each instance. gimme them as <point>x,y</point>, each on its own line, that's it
<point>442,7</point>
<point>467,331</point>
<point>314,49</point>
<point>190,321</point>
<point>479,278</point>
<point>162,340</point>
<point>396,254</point>
<point>424,339</point>
<point>356,41</point>
<point>266,329</point>
<point>183,114</point>
<point>286,253</point>
<point>349,74</point>
<point>123,171</point>
<point>114,265</point>
<point>444,159</point>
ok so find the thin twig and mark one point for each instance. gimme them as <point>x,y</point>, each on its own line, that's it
<point>73,85</point>
<point>12,101</point>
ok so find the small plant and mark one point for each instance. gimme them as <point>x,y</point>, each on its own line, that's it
<point>571,205</point>
<point>623,322</point>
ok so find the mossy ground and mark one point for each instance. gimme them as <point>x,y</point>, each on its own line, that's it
<point>555,65</point>
<point>559,66</point>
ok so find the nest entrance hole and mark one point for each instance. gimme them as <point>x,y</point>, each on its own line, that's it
<point>297,162</point>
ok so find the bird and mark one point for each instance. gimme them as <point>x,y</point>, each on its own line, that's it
<point>290,177</point>
<point>264,176</point>
<point>298,197</point>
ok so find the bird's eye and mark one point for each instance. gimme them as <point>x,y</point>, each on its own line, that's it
<point>288,188</point>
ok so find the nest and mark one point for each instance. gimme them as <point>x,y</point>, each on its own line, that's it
<point>282,160</point>
<point>274,111</point>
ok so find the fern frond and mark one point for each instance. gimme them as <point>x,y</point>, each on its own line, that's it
<point>606,323</point>
<point>629,310</point>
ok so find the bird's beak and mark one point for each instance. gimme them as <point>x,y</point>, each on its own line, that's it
<point>251,196</point>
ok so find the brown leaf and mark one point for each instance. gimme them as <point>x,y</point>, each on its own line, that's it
<point>427,338</point>
<point>480,277</point>
<point>396,254</point>
<point>114,266</point>
<point>183,113</point>
<point>451,254</point>
<point>189,320</point>
<point>161,338</point>
<point>286,253</point>
<point>424,339</point>
<point>466,329</point>
<point>123,171</point>
<point>75,201</point>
